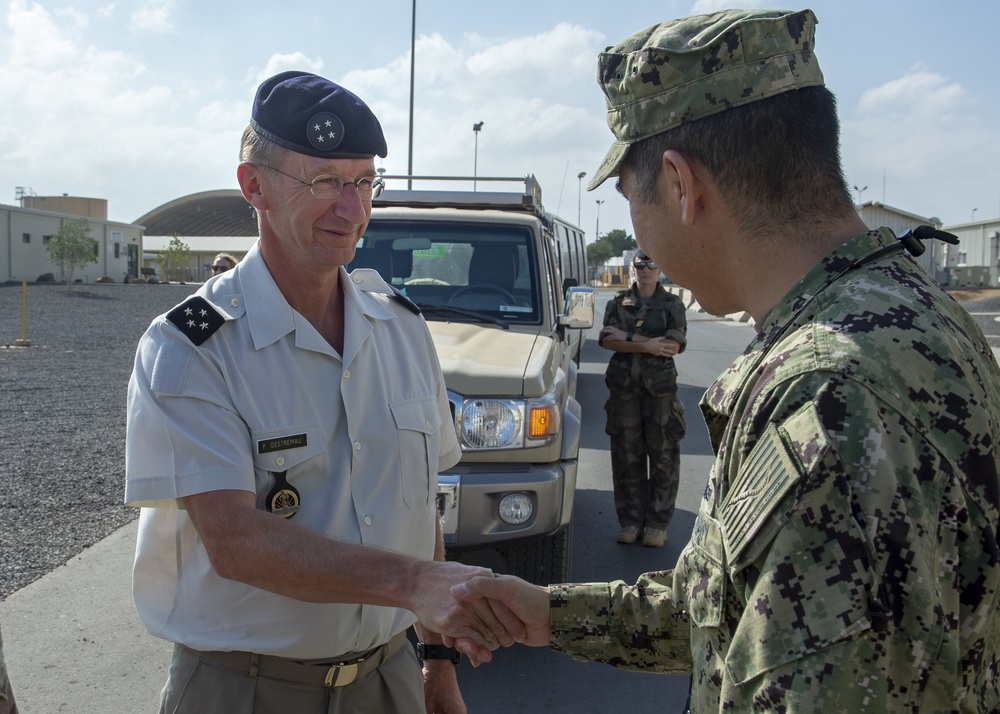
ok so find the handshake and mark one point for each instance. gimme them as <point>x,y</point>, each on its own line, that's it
<point>475,611</point>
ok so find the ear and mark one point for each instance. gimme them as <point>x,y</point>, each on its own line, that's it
<point>685,184</point>
<point>248,176</point>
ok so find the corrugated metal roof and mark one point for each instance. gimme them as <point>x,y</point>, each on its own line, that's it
<point>210,213</point>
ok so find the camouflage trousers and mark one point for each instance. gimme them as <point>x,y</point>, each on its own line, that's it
<point>645,432</point>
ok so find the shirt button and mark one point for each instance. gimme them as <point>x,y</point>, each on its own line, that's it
<point>357,278</point>
<point>347,374</point>
<point>280,461</point>
<point>368,520</point>
<point>357,446</point>
<point>427,425</point>
<point>235,302</point>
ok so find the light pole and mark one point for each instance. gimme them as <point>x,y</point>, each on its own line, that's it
<point>579,194</point>
<point>860,191</point>
<point>597,228</point>
<point>413,62</point>
<point>974,214</point>
<point>476,128</point>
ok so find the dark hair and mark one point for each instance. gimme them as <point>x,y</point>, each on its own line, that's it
<point>775,160</point>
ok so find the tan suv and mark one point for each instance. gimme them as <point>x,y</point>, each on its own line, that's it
<point>498,281</point>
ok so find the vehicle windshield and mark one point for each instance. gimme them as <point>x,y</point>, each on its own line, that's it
<point>486,269</point>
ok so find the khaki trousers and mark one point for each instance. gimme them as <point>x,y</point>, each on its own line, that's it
<point>200,686</point>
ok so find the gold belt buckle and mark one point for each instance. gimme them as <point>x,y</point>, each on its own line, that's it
<point>340,675</point>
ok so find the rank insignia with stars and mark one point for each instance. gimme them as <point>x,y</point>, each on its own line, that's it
<point>196,318</point>
<point>325,131</point>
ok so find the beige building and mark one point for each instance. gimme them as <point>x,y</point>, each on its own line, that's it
<point>25,231</point>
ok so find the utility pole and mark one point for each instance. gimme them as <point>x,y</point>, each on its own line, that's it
<point>413,62</point>
<point>476,128</point>
<point>579,195</point>
<point>597,228</point>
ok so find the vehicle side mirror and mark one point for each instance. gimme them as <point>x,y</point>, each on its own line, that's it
<point>579,309</point>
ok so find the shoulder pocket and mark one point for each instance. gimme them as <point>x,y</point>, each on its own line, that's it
<point>791,513</point>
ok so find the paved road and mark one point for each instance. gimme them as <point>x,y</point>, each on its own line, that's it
<point>74,644</point>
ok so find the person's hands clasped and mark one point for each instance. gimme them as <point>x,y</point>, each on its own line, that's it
<point>472,628</point>
<point>520,607</point>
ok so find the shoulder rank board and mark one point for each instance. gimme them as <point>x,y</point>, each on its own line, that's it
<point>196,318</point>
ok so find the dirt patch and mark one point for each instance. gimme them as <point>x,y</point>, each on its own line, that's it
<point>970,294</point>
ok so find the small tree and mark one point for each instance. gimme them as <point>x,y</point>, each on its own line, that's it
<point>610,245</point>
<point>72,247</point>
<point>174,256</point>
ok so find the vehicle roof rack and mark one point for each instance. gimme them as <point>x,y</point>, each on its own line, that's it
<point>529,199</point>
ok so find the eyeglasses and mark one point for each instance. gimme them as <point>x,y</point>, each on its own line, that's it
<point>220,268</point>
<point>645,264</point>
<point>329,187</point>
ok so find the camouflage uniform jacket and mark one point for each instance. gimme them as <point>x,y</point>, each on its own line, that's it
<point>845,555</point>
<point>662,316</point>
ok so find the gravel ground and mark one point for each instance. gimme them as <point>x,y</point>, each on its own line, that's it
<point>62,416</point>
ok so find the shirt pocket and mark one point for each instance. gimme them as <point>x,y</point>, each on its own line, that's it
<point>703,574</point>
<point>283,449</point>
<point>418,429</point>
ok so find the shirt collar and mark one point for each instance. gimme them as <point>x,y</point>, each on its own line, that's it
<point>269,315</point>
<point>795,308</point>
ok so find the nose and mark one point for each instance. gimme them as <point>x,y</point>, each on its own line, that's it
<point>350,206</point>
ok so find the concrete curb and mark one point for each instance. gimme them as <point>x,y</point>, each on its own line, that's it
<point>73,641</point>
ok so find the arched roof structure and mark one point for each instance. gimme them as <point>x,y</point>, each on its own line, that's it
<point>209,213</point>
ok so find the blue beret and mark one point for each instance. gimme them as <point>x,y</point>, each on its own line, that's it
<point>313,116</point>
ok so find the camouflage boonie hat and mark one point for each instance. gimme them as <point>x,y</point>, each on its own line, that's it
<point>678,71</point>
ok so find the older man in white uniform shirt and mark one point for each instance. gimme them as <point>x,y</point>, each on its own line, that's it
<point>285,428</point>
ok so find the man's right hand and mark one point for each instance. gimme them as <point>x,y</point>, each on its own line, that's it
<point>519,606</point>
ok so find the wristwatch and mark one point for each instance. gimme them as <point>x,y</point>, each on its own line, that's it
<point>628,335</point>
<point>425,652</point>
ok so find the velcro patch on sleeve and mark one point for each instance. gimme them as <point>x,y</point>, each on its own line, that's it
<point>196,318</point>
<point>767,475</point>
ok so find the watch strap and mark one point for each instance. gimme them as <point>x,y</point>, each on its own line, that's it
<point>428,651</point>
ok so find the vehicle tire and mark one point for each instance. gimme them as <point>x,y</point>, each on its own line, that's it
<point>543,561</point>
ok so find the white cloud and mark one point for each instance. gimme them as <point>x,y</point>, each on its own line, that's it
<point>704,7</point>
<point>155,16</point>
<point>921,132</point>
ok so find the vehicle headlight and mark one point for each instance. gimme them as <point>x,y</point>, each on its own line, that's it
<point>490,424</point>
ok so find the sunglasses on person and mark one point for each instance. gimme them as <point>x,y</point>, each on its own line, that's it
<point>220,268</point>
<point>645,265</point>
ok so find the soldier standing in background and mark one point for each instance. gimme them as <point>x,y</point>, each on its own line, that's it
<point>645,327</point>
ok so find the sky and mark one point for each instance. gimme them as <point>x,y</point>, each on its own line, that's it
<point>142,102</point>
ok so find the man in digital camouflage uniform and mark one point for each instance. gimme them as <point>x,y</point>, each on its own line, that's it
<point>845,556</point>
<point>645,327</point>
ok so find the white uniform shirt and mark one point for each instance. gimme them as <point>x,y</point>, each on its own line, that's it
<point>361,437</point>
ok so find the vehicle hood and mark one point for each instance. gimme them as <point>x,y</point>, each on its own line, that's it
<point>484,360</point>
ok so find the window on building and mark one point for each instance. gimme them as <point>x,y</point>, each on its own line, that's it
<point>46,239</point>
<point>25,237</point>
<point>118,250</point>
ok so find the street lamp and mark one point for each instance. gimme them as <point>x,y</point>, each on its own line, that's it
<point>974,214</point>
<point>475,165</point>
<point>860,191</point>
<point>597,228</point>
<point>413,60</point>
<point>579,194</point>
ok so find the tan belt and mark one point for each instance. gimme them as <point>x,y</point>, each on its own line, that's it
<point>337,673</point>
